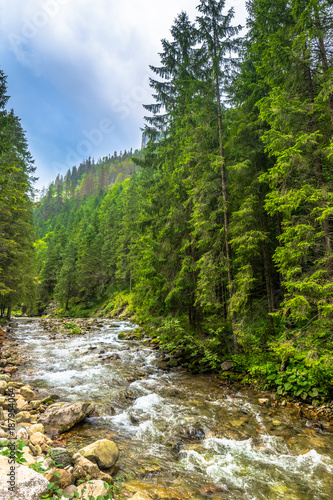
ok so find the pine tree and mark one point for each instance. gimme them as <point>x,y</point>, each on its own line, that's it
<point>218,34</point>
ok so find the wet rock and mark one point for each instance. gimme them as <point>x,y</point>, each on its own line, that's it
<point>29,485</point>
<point>208,489</point>
<point>93,488</point>
<point>194,432</point>
<point>317,426</point>
<point>63,416</point>
<point>4,377</point>
<point>103,452</point>
<point>61,477</point>
<point>140,496</point>
<point>61,456</point>
<point>263,401</point>
<point>3,387</point>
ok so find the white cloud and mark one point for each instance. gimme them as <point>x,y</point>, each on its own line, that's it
<point>93,57</point>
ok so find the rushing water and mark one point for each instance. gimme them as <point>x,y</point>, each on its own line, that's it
<point>179,435</point>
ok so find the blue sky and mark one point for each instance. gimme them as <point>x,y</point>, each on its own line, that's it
<point>78,72</point>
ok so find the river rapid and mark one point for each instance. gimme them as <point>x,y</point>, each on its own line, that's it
<point>179,435</point>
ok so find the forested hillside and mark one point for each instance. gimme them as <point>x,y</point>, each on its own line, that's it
<point>220,237</point>
<point>17,276</point>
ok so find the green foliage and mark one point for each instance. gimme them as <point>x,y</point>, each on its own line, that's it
<point>198,354</point>
<point>16,229</point>
<point>75,331</point>
<point>224,221</point>
<point>13,449</point>
<point>69,326</point>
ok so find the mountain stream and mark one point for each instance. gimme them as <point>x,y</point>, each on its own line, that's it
<point>180,435</point>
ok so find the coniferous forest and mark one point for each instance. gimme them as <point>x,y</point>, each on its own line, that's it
<point>217,236</point>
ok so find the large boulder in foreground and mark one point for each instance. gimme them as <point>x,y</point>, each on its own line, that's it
<point>28,484</point>
<point>104,453</point>
<point>62,416</point>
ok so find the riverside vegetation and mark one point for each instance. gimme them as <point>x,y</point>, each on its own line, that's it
<point>217,235</point>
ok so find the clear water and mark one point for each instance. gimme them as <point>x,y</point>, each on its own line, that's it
<point>179,435</point>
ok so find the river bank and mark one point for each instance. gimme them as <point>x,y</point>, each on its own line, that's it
<point>179,435</point>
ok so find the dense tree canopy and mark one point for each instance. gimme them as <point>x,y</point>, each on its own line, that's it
<point>16,230</point>
<point>220,229</point>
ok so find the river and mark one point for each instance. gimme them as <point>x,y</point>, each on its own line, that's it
<point>179,435</point>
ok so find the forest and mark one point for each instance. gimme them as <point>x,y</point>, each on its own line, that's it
<point>217,235</point>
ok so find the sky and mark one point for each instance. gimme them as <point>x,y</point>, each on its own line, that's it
<point>78,72</point>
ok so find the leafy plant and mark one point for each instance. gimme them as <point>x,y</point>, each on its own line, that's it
<point>69,326</point>
<point>75,331</point>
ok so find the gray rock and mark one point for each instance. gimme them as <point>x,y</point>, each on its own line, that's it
<point>62,416</point>
<point>29,485</point>
<point>23,435</point>
<point>227,365</point>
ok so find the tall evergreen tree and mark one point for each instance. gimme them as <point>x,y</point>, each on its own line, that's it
<point>218,34</point>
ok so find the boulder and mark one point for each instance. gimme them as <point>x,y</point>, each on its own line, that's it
<point>84,467</point>
<point>29,484</point>
<point>62,416</point>
<point>93,488</point>
<point>227,365</point>
<point>39,439</point>
<point>4,377</point>
<point>27,393</point>
<point>103,452</point>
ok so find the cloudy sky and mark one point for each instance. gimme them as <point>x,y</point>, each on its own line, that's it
<point>78,72</point>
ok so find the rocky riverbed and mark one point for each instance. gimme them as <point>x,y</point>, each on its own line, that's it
<point>30,432</point>
<point>77,386</point>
